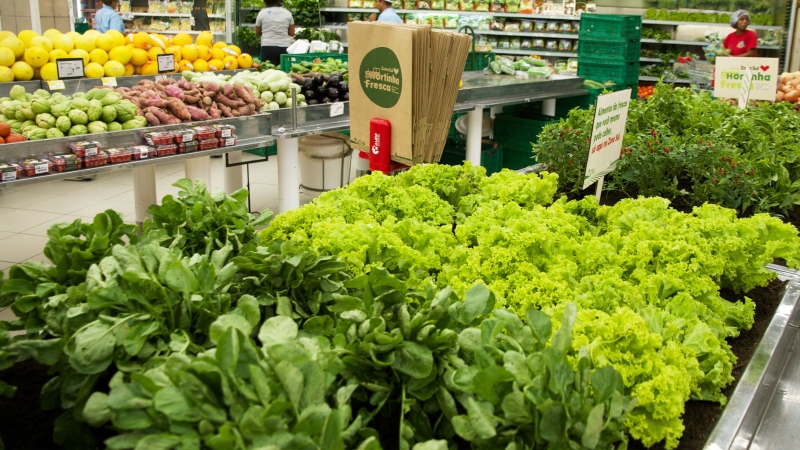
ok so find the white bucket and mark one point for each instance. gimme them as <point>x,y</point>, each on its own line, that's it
<point>322,159</point>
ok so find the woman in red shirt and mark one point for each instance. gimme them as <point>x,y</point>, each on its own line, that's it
<point>741,42</point>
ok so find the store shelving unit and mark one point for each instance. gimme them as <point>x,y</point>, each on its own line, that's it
<point>225,33</point>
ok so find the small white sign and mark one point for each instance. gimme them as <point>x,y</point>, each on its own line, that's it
<point>56,85</point>
<point>91,151</point>
<point>166,63</point>
<point>109,81</point>
<point>744,96</point>
<point>41,168</point>
<point>608,128</point>
<point>230,142</point>
<point>730,72</point>
<point>226,132</point>
<point>337,109</point>
<point>69,68</point>
<point>9,176</point>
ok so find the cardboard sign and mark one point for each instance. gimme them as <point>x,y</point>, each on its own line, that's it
<point>69,68</point>
<point>744,96</point>
<point>109,81</point>
<point>610,117</point>
<point>166,63</point>
<point>729,74</point>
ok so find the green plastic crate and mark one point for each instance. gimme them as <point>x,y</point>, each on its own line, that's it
<point>516,159</point>
<point>518,132</point>
<point>611,25</point>
<point>455,153</point>
<point>81,27</point>
<point>620,72</point>
<point>607,48</point>
<point>478,61</point>
<point>287,60</point>
<point>272,150</point>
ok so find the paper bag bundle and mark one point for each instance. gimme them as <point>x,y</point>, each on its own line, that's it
<point>408,75</point>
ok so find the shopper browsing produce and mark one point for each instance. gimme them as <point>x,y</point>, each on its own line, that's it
<point>108,19</point>
<point>275,25</point>
<point>387,13</point>
<point>741,42</point>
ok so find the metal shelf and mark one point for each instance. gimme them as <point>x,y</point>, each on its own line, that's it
<point>673,81</point>
<point>535,52</point>
<point>141,14</point>
<point>171,31</point>
<point>700,43</point>
<point>463,13</point>
<point>707,24</point>
<point>529,34</point>
<point>653,60</point>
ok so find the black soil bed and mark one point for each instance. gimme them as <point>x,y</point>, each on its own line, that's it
<point>700,417</point>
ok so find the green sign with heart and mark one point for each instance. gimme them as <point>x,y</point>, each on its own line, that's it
<point>381,77</point>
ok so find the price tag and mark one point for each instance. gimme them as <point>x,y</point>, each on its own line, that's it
<point>69,68</point>
<point>143,153</point>
<point>10,176</point>
<point>91,151</point>
<point>41,168</point>
<point>337,109</point>
<point>226,132</point>
<point>109,81</point>
<point>230,142</point>
<point>187,138</point>
<point>166,63</point>
<point>608,129</point>
<point>56,85</point>
<point>747,81</point>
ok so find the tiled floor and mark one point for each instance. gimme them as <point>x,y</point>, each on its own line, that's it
<point>27,212</point>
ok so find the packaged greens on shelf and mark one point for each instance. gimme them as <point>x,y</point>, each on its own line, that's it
<point>525,25</point>
<point>411,18</point>
<point>354,17</point>
<point>526,6</point>
<point>467,5</point>
<point>516,43</point>
<point>451,21</point>
<point>538,43</point>
<point>484,22</point>
<point>452,5</point>
<point>498,6</point>
<point>437,21</point>
<point>498,23</point>
<point>565,45</point>
<point>482,43</point>
<point>482,5</point>
<point>504,43</point>
<point>355,4</point>
<point>502,65</point>
<point>437,5</point>
<point>423,4</point>
<point>526,43</point>
<point>368,4</point>
<point>511,26</point>
<point>512,6</point>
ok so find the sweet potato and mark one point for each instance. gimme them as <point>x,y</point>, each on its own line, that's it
<point>227,89</point>
<point>197,113</point>
<point>214,112</point>
<point>152,119</point>
<point>246,110</point>
<point>162,116</point>
<point>178,108</point>
<point>207,101</point>
<point>174,91</point>
<point>244,93</point>
<point>166,81</point>
<point>226,111</point>
<point>191,99</point>
<point>211,86</point>
<point>228,102</point>
<point>145,102</point>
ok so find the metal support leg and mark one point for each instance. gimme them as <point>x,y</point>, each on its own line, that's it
<point>549,107</point>
<point>144,190</point>
<point>233,175</point>
<point>288,174</point>
<point>474,128</point>
<point>199,167</point>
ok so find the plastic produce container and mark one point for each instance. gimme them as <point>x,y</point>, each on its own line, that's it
<point>204,133</point>
<point>159,138</point>
<point>188,147</point>
<point>183,136</point>
<point>35,167</point>
<point>10,172</point>
<point>100,159</point>
<point>65,163</point>
<point>85,148</point>
<point>227,141</point>
<point>208,144</point>
<point>118,155</point>
<point>141,152</point>
<point>166,150</point>
<point>224,131</point>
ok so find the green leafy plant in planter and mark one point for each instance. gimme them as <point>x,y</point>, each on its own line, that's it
<point>306,12</point>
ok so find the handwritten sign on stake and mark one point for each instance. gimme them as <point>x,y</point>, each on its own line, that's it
<point>747,81</point>
<point>608,128</point>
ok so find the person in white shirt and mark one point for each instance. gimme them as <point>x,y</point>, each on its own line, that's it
<point>275,25</point>
<point>387,13</point>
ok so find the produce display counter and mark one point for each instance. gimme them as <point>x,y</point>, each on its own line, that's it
<point>251,132</point>
<point>761,413</point>
<point>479,91</point>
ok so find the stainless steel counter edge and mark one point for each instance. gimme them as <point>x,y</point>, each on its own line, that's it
<point>744,412</point>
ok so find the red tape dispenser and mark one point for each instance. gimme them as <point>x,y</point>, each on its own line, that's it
<point>380,146</point>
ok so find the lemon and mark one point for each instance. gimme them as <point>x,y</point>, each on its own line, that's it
<point>51,33</point>
<point>117,38</point>
<point>114,69</point>
<point>150,68</point>
<point>26,36</point>
<point>176,52</point>
<point>245,61</point>
<point>92,34</point>
<point>36,56</point>
<point>205,38</point>
<point>200,65</point>
<point>154,52</point>
<point>189,52</point>
<point>5,35</point>
<point>93,70</point>
<point>22,71</point>
<point>98,56</point>
<point>121,54</point>
<point>85,43</point>
<point>185,65</point>
<point>142,40</point>
<point>78,53</point>
<point>6,75</point>
<point>129,69</point>
<point>6,57</point>
<point>49,71</point>
<point>43,42</point>
<point>15,44</point>
<point>139,57</point>
<point>215,64</point>
<point>57,54</point>
<point>63,42</point>
<point>230,63</point>
<point>104,42</point>
<point>203,52</point>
